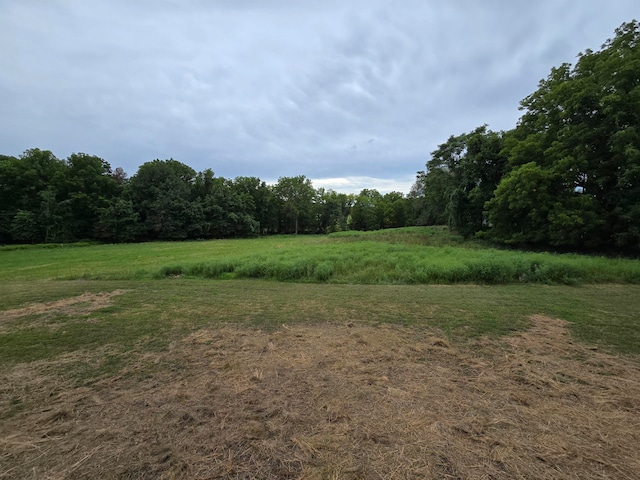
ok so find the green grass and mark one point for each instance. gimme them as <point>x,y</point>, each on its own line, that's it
<point>418,255</point>
<point>57,331</point>
<point>151,314</point>
<point>416,276</point>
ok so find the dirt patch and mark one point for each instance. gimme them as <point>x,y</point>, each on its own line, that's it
<point>334,401</point>
<point>79,305</point>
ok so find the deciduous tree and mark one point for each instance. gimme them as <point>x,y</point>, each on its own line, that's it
<point>297,197</point>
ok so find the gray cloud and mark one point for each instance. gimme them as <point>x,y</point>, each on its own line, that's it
<point>331,90</point>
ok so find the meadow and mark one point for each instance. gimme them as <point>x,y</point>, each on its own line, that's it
<point>415,255</point>
<point>258,358</point>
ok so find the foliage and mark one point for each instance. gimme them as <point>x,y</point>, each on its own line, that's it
<point>260,201</point>
<point>45,199</point>
<point>89,186</point>
<point>579,140</point>
<point>160,194</point>
<point>367,212</point>
<point>333,211</point>
<point>567,176</point>
<point>82,198</point>
<point>296,197</point>
<point>460,177</point>
<point>118,222</point>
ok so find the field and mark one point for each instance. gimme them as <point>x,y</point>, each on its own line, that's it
<point>394,354</point>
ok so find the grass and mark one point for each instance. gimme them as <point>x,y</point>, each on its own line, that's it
<point>416,276</point>
<point>418,255</point>
<point>179,359</point>
<point>150,314</point>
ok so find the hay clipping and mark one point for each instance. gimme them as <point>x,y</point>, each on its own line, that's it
<point>333,401</point>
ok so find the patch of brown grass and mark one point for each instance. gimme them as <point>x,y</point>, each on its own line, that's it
<point>334,401</point>
<point>78,305</point>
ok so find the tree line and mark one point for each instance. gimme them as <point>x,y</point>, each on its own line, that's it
<point>568,174</point>
<point>46,199</point>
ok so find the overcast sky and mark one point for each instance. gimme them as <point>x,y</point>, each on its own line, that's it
<point>352,94</point>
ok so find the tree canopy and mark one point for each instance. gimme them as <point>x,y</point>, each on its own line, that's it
<point>45,199</point>
<point>567,175</point>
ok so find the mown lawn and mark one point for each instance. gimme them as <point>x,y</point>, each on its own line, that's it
<point>149,314</point>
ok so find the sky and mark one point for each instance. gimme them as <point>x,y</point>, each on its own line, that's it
<point>352,94</point>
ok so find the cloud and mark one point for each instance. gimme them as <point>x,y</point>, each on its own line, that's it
<point>355,185</point>
<point>331,90</point>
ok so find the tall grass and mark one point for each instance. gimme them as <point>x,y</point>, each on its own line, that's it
<point>417,255</point>
<point>375,263</point>
<point>410,256</point>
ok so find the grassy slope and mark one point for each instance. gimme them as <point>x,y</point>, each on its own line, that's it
<point>403,256</point>
<point>365,267</point>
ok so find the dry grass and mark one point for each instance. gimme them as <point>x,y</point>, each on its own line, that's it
<point>79,305</point>
<point>332,401</point>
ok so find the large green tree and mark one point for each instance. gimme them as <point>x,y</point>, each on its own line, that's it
<point>395,208</point>
<point>119,222</point>
<point>333,210</point>
<point>8,197</point>
<point>259,200</point>
<point>33,207</point>
<point>581,131</point>
<point>90,187</point>
<point>160,192</point>
<point>297,198</point>
<point>367,212</point>
<point>224,211</point>
<point>460,177</point>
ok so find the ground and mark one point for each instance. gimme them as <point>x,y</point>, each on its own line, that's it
<point>316,401</point>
